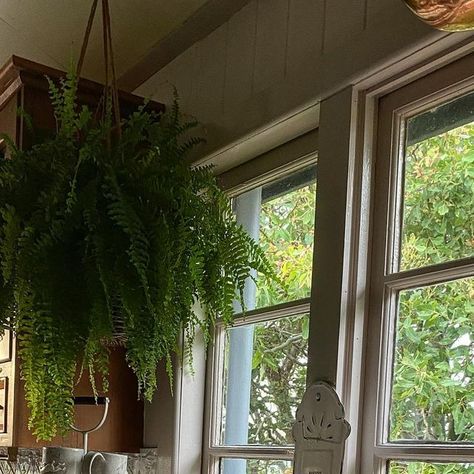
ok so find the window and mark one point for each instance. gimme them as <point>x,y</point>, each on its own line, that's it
<point>258,367</point>
<point>419,396</point>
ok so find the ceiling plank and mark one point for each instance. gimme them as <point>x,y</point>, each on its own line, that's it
<point>199,25</point>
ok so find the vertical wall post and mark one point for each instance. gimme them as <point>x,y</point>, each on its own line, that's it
<point>336,141</point>
<point>239,368</point>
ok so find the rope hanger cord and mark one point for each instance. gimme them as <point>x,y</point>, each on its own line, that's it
<point>108,56</point>
<point>108,28</point>
<point>87,34</point>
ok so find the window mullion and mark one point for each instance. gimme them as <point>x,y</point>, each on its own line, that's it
<point>270,313</point>
<point>432,452</point>
<point>432,274</point>
<point>253,452</point>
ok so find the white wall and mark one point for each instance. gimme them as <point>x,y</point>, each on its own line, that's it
<point>276,57</point>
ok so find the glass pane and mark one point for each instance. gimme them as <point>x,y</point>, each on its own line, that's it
<point>410,467</point>
<point>438,211</point>
<point>265,377</point>
<point>433,384</point>
<point>281,216</point>
<point>255,466</point>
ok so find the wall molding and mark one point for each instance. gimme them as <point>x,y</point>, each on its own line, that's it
<point>262,140</point>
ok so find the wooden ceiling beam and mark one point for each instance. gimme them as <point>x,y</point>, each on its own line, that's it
<point>199,25</point>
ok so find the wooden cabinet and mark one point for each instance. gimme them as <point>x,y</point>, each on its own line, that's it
<point>23,85</point>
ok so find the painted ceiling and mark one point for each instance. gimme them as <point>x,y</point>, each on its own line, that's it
<point>51,31</point>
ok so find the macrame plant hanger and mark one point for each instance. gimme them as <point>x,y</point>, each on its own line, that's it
<point>111,96</point>
<point>110,107</point>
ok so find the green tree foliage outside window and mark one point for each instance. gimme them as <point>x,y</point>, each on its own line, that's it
<point>280,347</point>
<point>286,237</point>
<point>406,467</point>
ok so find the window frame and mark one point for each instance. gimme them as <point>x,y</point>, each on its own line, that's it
<point>354,111</point>
<point>212,451</point>
<point>385,280</point>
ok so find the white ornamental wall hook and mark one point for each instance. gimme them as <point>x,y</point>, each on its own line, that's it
<point>320,432</point>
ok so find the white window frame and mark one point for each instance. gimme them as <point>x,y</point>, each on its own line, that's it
<point>213,452</point>
<point>353,112</point>
<point>440,86</point>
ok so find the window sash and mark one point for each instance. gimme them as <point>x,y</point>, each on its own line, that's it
<point>388,345</point>
<point>213,451</point>
<point>392,172</point>
<point>386,281</point>
<point>216,363</point>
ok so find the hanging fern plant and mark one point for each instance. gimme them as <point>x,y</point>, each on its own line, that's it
<point>99,237</point>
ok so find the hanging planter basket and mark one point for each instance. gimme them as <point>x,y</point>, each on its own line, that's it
<point>108,235</point>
